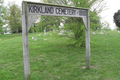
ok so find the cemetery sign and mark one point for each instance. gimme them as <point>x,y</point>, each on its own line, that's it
<point>29,12</point>
<point>40,9</point>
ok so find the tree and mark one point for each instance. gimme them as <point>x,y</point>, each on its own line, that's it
<point>2,17</point>
<point>95,23</point>
<point>48,22</point>
<point>76,24</point>
<point>14,18</point>
<point>116,18</point>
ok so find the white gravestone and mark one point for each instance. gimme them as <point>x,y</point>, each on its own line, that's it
<point>35,38</point>
<point>45,39</point>
<point>32,37</point>
<point>69,34</point>
<point>101,32</point>
<point>93,33</point>
<point>44,32</point>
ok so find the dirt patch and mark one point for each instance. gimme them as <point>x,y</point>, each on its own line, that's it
<point>0,39</point>
<point>84,67</point>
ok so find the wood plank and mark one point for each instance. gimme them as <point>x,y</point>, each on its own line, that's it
<point>88,42</point>
<point>25,43</point>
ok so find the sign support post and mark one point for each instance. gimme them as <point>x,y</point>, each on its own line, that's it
<point>25,42</point>
<point>31,9</point>
<point>87,32</point>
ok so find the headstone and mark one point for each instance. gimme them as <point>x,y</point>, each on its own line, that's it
<point>59,33</point>
<point>118,31</point>
<point>45,39</point>
<point>50,34</point>
<point>35,38</point>
<point>101,32</point>
<point>39,35</point>
<point>32,37</point>
<point>45,33</point>
<point>53,30</point>
<point>93,33</point>
<point>69,34</point>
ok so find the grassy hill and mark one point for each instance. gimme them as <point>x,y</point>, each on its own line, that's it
<point>53,59</point>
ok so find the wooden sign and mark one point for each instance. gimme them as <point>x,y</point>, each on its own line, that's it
<point>29,12</point>
<point>40,9</point>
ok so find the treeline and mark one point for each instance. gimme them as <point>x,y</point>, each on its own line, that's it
<point>72,24</point>
<point>10,18</point>
<point>12,15</point>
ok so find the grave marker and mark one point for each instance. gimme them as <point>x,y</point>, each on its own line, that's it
<point>101,32</point>
<point>32,37</point>
<point>93,33</point>
<point>35,38</point>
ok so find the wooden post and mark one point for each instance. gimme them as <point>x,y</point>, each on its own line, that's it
<point>88,41</point>
<point>25,42</point>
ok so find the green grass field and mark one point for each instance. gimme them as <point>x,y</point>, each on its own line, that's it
<point>53,59</point>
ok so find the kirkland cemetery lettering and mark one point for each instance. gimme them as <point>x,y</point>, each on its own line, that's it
<point>47,9</point>
<point>52,10</point>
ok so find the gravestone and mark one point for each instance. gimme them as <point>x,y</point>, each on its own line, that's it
<point>101,32</point>
<point>45,39</point>
<point>35,38</point>
<point>93,33</point>
<point>69,34</point>
<point>45,33</point>
<point>32,37</point>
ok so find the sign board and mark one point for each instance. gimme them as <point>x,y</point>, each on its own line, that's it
<point>31,9</point>
<point>39,9</point>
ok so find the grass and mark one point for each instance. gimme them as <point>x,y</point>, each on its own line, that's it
<point>53,59</point>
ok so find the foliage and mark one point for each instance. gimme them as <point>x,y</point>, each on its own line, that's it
<point>32,29</point>
<point>48,23</point>
<point>116,18</point>
<point>2,15</point>
<point>75,24</point>
<point>74,27</point>
<point>14,18</point>
<point>95,23</point>
<point>106,26</point>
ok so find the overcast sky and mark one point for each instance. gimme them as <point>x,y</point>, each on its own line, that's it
<point>107,15</point>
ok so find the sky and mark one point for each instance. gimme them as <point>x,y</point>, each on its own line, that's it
<point>107,15</point>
